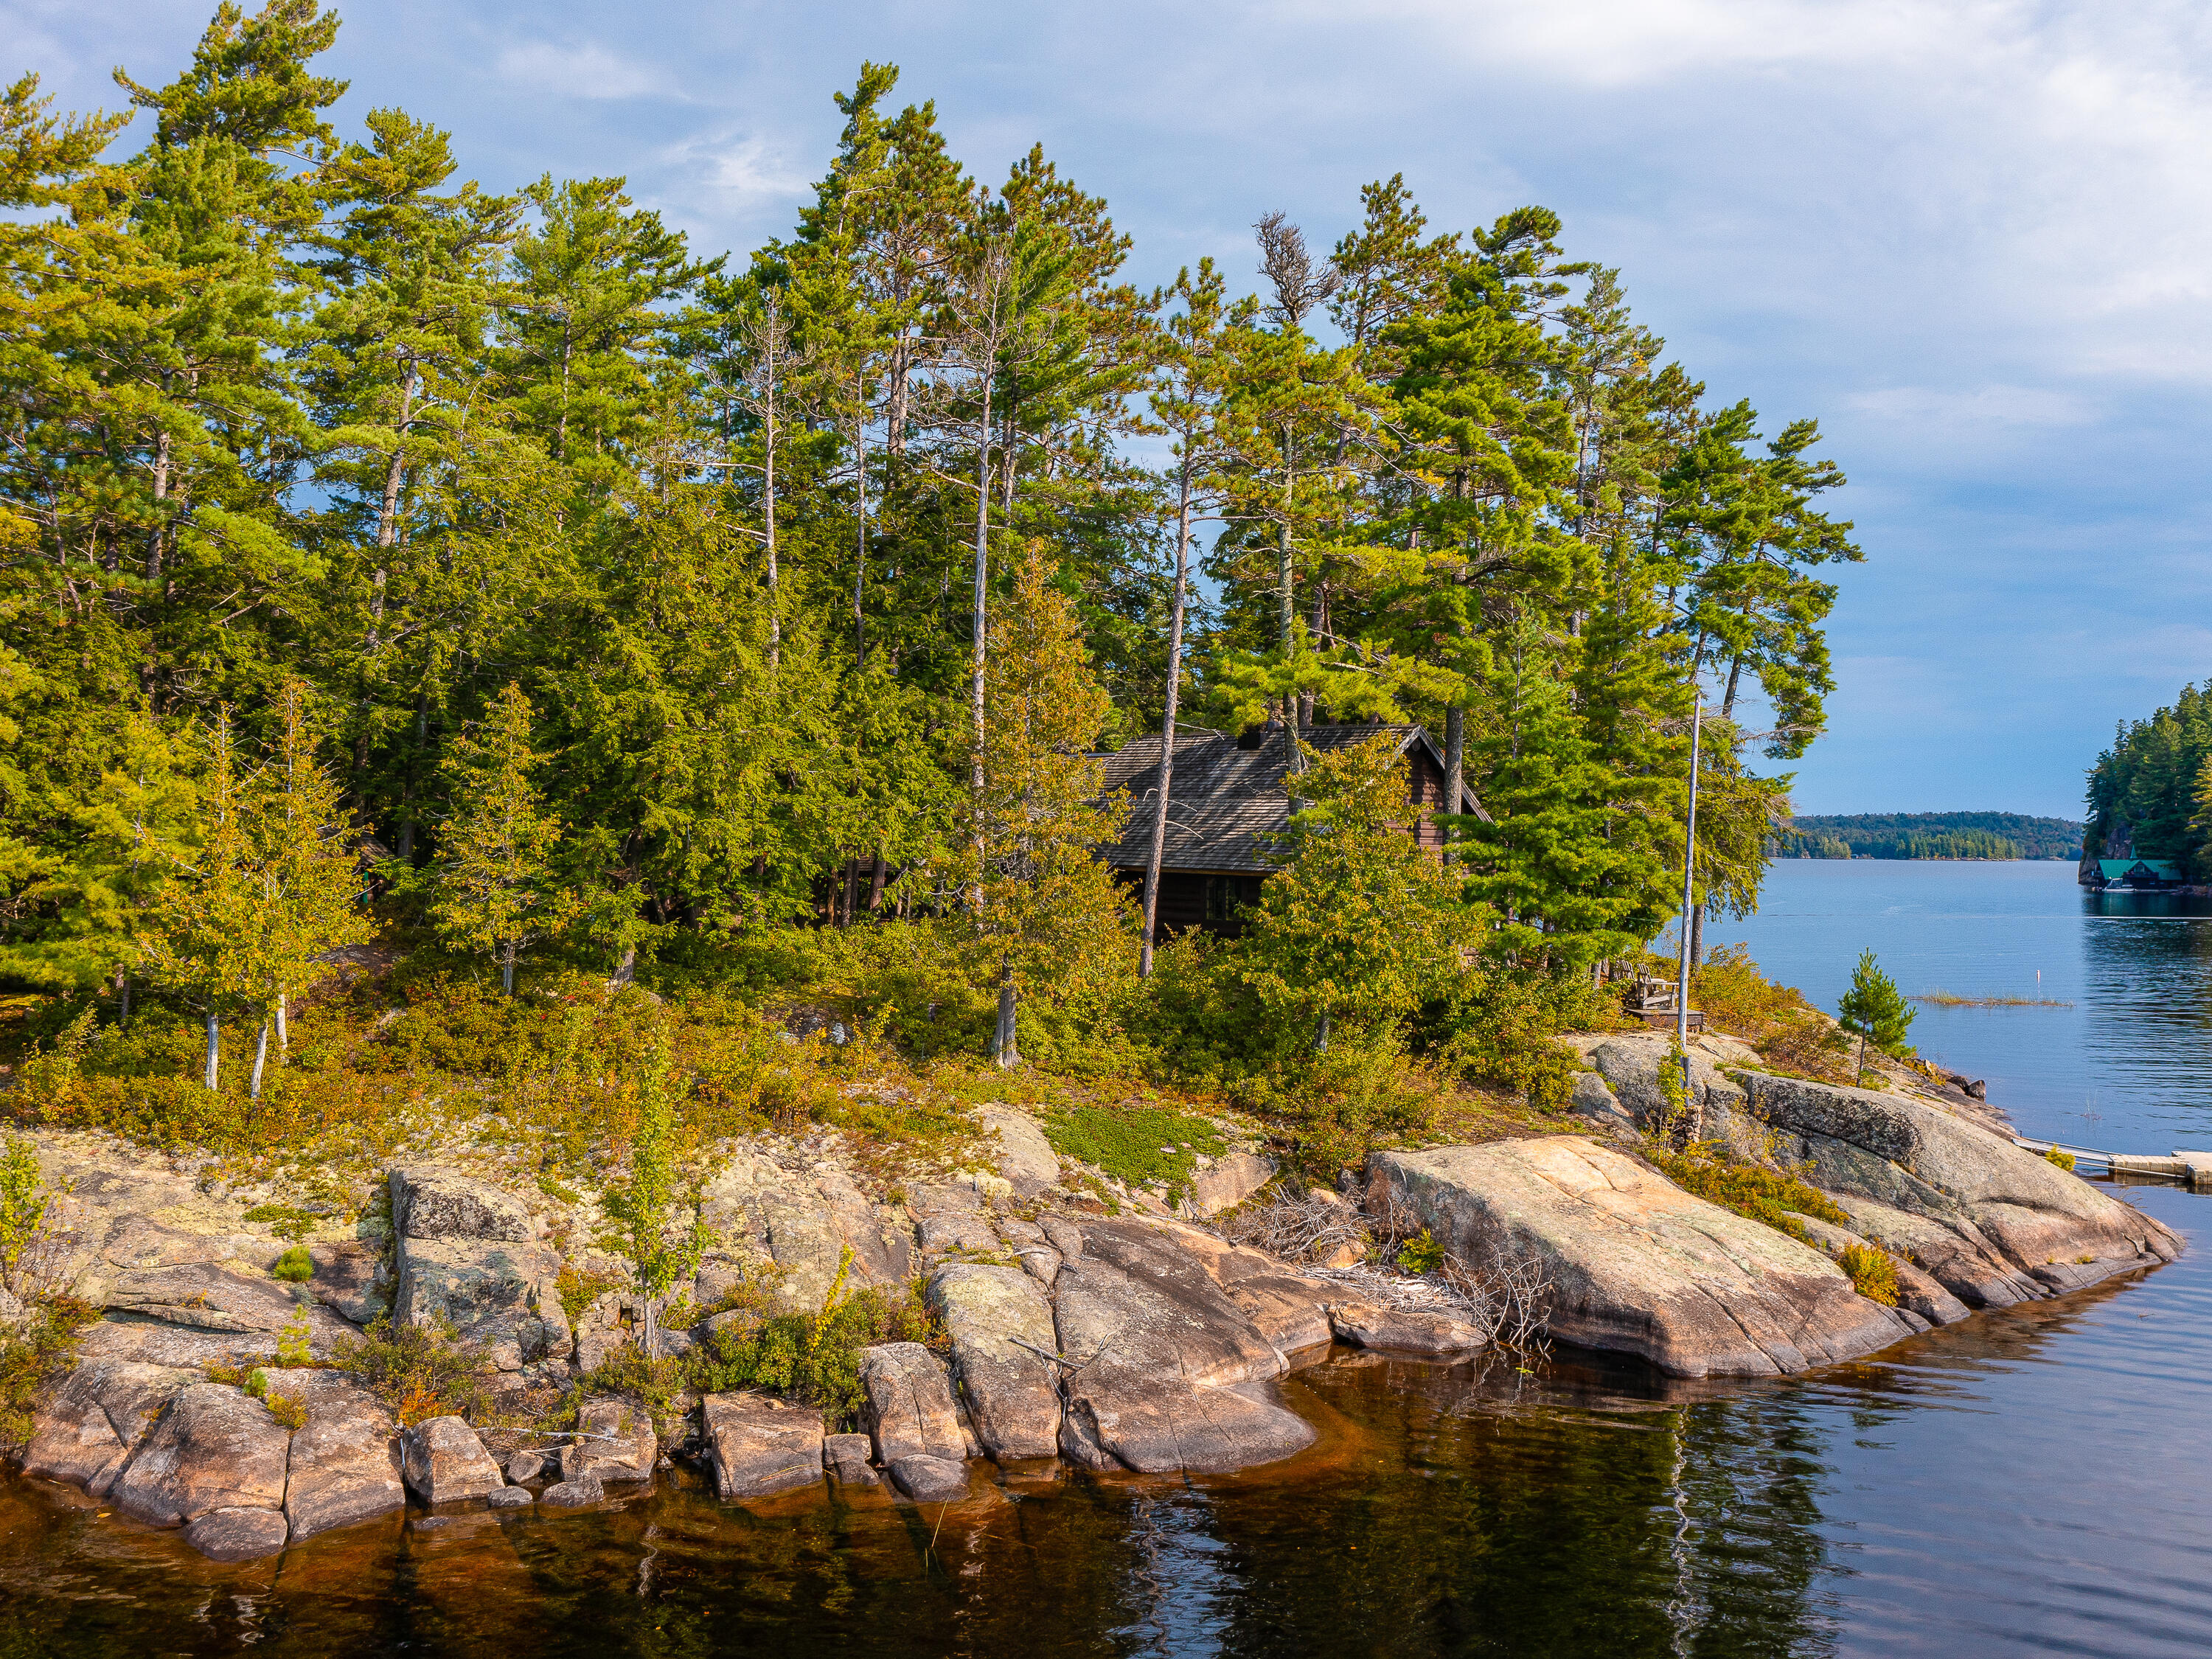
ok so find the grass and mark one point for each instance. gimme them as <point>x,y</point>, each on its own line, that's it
<point>1947,1000</point>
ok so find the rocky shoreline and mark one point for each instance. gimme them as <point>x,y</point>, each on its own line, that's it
<point>1139,1339</point>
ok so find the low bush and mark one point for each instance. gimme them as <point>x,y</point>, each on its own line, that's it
<point>418,1371</point>
<point>34,1352</point>
<point>295,1267</point>
<point>1761,1194</point>
<point>1792,1035</point>
<point>1873,1275</point>
<point>814,1358</point>
<point>1421,1253</point>
<point>2064,1160</point>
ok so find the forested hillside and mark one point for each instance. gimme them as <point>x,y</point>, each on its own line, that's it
<point>1930,836</point>
<point>2150,794</point>
<point>619,600</point>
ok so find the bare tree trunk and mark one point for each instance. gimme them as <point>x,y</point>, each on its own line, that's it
<point>123,999</point>
<point>1167,726</point>
<point>876,882</point>
<point>980,619</point>
<point>284,1034</point>
<point>1004,1053</point>
<point>214,1052</point>
<point>260,1060</point>
<point>507,968</point>
<point>1287,581</point>
<point>767,508</point>
<point>860,569</point>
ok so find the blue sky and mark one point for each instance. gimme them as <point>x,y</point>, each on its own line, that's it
<point>1971,238</point>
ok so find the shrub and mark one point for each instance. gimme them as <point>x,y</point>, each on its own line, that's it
<point>814,1358</point>
<point>1761,1194</point>
<point>288,1221</point>
<point>289,1409</point>
<point>1873,1275</point>
<point>419,1370</point>
<point>2064,1160</point>
<point>38,1349</point>
<point>580,1290</point>
<point>295,1267</point>
<point>1421,1253</point>
<point>1791,1032</point>
<point>293,1342</point>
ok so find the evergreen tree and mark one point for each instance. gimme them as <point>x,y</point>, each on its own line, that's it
<point>1873,1009</point>
<point>496,888</point>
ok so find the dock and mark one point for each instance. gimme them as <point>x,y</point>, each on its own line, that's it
<point>2192,1168</point>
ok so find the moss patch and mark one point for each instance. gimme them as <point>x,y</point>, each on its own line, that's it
<point>1760,1194</point>
<point>1139,1146</point>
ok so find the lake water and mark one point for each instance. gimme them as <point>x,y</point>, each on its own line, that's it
<point>2029,1482</point>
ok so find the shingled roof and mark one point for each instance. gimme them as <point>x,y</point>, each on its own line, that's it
<point>1226,802</point>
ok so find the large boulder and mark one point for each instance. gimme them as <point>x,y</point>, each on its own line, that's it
<point>442,1461</point>
<point>760,1445</point>
<point>1012,1392</point>
<point>1226,1182</point>
<point>213,1447</point>
<point>907,1407</point>
<point>613,1441</point>
<point>468,1254</point>
<point>804,1218</point>
<point>1165,1363</point>
<point>84,1428</point>
<point>1993,1222</point>
<point>345,1462</point>
<point>1637,1265</point>
<point>930,1479</point>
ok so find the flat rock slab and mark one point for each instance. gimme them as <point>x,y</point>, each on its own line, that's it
<point>212,1447</point>
<point>443,1462</point>
<point>1227,1182</point>
<point>1024,1157</point>
<point>572,1494</point>
<point>428,1202</point>
<point>510,1497</point>
<point>1140,1418</point>
<point>614,1442</point>
<point>930,1479</point>
<point>1400,1330</point>
<point>85,1428</point>
<point>909,1410</point>
<point>345,1463</point>
<point>762,1445</point>
<point>1993,1222</point>
<point>1637,1265</point>
<point>1012,1393</point>
<point>237,1534</point>
<point>177,1347</point>
<point>1287,1308</point>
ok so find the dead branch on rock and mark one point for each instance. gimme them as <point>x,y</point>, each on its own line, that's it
<point>1301,1227</point>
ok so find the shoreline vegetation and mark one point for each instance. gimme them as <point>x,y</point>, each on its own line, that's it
<point>1918,835</point>
<point>1948,1000</point>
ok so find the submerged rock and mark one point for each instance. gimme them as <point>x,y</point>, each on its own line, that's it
<point>237,1534</point>
<point>1402,1330</point>
<point>510,1497</point>
<point>930,1479</point>
<point>762,1445</point>
<point>572,1493</point>
<point>1637,1265</point>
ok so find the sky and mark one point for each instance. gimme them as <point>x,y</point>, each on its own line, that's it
<point>1971,239</point>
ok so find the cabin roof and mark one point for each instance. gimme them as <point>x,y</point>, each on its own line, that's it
<point>1226,801</point>
<point>2113,869</point>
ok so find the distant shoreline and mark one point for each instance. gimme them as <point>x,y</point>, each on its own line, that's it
<point>1963,837</point>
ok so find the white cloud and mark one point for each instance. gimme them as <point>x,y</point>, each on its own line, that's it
<point>582,70</point>
<point>743,168</point>
<point>1936,407</point>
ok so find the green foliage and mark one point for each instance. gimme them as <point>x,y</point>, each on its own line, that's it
<point>1421,1253</point>
<point>1138,1145</point>
<point>292,1342</point>
<point>418,1371</point>
<point>579,1290</point>
<point>23,1201</point>
<point>295,1267</point>
<point>1762,1195</point>
<point>814,1358</point>
<point>290,1410</point>
<point>2148,793</point>
<point>1874,1009</point>
<point>1793,1034</point>
<point>1930,835</point>
<point>32,1354</point>
<point>1873,1275</point>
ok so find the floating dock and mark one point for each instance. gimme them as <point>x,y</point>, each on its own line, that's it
<point>2194,1168</point>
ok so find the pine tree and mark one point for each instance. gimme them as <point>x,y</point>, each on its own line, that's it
<point>1874,1009</point>
<point>496,890</point>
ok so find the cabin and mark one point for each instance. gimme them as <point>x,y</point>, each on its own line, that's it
<point>1228,800</point>
<point>2124,875</point>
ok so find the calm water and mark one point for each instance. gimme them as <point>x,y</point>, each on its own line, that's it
<point>2028,1482</point>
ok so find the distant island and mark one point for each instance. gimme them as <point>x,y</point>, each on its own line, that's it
<point>1930,836</point>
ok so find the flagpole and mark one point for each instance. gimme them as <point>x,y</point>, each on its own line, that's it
<point>1689,865</point>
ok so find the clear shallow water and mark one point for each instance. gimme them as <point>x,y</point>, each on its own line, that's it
<point>2030,1482</point>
